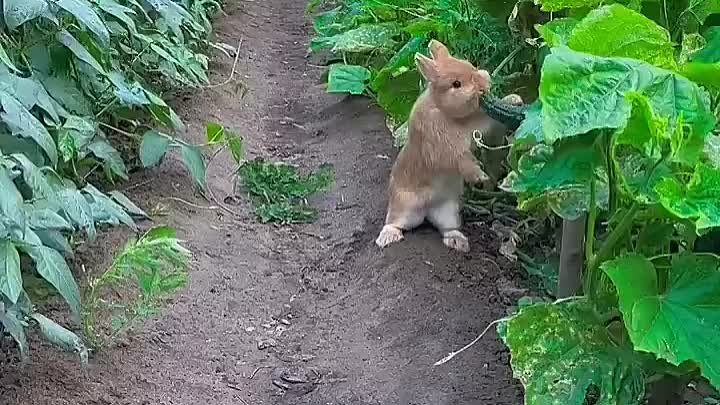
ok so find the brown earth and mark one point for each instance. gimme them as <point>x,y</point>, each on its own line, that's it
<point>346,323</point>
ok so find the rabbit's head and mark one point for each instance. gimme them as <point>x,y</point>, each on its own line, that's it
<point>455,85</point>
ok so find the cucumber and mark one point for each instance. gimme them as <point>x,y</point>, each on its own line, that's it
<point>509,115</point>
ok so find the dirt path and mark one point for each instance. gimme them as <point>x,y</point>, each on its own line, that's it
<point>348,323</point>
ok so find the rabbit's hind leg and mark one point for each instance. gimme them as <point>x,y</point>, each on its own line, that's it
<point>406,211</point>
<point>445,215</point>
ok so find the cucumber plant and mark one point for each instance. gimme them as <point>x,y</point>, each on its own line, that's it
<point>624,135</point>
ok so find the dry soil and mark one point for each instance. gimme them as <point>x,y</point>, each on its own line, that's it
<point>340,322</point>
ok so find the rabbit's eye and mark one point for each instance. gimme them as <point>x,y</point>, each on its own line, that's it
<point>457,84</point>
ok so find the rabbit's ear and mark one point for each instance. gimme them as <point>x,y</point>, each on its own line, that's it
<point>438,50</point>
<point>427,67</point>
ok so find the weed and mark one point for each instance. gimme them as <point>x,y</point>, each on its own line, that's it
<point>279,192</point>
<point>146,271</point>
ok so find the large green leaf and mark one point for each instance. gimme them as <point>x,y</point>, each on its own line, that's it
<point>365,38</point>
<point>192,157</point>
<point>711,151</point>
<point>130,94</point>
<point>557,32</point>
<point>704,65</point>
<point>12,320</point>
<point>644,130</point>
<point>56,240</point>
<point>174,16</point>
<point>398,94</point>
<point>699,10</point>
<point>530,132</point>
<point>105,210</point>
<point>101,148</point>
<point>163,113</point>
<point>153,147</point>
<point>571,163</point>
<point>400,63</point>
<point>67,93</point>
<point>127,204</point>
<point>18,12</point>
<point>85,13</point>
<point>11,208</point>
<point>61,337</point>
<point>351,79</point>
<point>341,18</point>
<point>561,175</point>
<point>30,93</point>
<point>35,179</point>
<point>615,30</point>
<point>52,267</point>
<point>580,93</point>
<point>705,74</point>
<point>563,355</point>
<point>122,13</point>
<point>10,277</point>
<point>4,58</point>
<point>76,208</point>
<point>77,132</point>
<point>45,218</point>
<point>680,322</point>
<point>698,201</point>
<point>79,50</point>
<point>22,123</point>
<point>557,5</point>
<point>710,53</point>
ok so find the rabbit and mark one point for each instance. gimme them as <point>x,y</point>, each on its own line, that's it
<point>426,181</point>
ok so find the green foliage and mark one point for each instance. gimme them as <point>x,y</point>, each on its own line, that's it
<point>624,132</point>
<point>697,201</point>
<point>677,321</point>
<point>564,355</point>
<point>77,79</point>
<point>376,41</point>
<point>280,192</point>
<point>625,33</point>
<point>155,145</point>
<point>347,79</point>
<point>147,270</point>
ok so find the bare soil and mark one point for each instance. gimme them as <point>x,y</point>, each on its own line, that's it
<point>338,320</point>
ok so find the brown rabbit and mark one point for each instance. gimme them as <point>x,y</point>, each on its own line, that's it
<point>426,181</point>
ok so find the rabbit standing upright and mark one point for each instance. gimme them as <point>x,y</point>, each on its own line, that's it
<point>426,181</point>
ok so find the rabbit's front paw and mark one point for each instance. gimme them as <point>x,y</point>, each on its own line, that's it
<point>477,175</point>
<point>513,99</point>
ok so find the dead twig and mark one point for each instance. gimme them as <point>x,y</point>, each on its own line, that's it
<point>451,355</point>
<point>210,193</point>
<point>310,234</point>
<point>233,71</point>
<point>254,373</point>
<point>188,203</point>
<point>136,185</point>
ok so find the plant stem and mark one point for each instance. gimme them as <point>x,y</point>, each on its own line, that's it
<point>590,274</point>
<point>507,60</point>
<point>119,131</point>
<point>615,236</point>
<point>571,257</point>
<point>592,218</point>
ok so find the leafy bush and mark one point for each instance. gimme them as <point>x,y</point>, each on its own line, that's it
<point>74,76</point>
<point>150,267</point>
<point>372,45</point>
<point>279,191</point>
<point>623,132</point>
